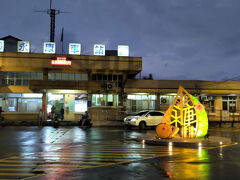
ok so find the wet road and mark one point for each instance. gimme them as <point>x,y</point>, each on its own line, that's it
<point>106,153</point>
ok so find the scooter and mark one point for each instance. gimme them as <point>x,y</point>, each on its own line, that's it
<point>87,123</point>
<point>55,122</point>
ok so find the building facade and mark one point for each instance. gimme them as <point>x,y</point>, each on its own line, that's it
<point>103,85</point>
<point>95,83</point>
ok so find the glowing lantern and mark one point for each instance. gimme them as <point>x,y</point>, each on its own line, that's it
<point>186,113</point>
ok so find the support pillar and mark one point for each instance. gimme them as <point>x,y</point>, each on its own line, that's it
<point>157,104</point>
<point>44,97</point>
<point>44,105</point>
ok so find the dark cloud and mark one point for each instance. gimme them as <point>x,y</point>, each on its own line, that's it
<point>178,39</point>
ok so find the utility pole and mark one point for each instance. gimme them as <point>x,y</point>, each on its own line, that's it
<point>52,13</point>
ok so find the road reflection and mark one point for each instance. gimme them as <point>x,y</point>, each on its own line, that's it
<point>192,164</point>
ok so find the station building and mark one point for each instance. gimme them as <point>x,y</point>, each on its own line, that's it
<point>106,86</point>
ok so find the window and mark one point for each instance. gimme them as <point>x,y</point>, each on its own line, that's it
<point>68,76</point>
<point>167,100</point>
<point>58,76</point>
<point>156,113</point>
<point>64,76</point>
<point>20,78</point>
<point>138,102</point>
<point>212,106</point>
<point>209,103</point>
<point>229,103</point>
<point>105,100</point>
<point>105,78</point>
<point>29,102</point>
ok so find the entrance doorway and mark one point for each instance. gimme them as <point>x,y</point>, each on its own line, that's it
<point>56,100</point>
<point>74,103</point>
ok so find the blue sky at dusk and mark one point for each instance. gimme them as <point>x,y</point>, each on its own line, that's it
<point>177,39</point>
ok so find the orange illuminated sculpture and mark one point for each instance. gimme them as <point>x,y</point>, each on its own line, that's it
<point>185,118</point>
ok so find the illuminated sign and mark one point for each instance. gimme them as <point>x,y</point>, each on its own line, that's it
<point>49,47</point>
<point>75,48</point>
<point>23,46</point>
<point>1,45</point>
<point>61,61</point>
<point>99,49</point>
<point>123,50</point>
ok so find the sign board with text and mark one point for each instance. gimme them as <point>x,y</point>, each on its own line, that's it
<point>61,61</point>
<point>99,49</point>
<point>75,48</point>
<point>1,45</point>
<point>123,50</point>
<point>49,47</point>
<point>23,46</point>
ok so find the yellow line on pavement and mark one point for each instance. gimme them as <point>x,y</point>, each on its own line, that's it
<point>103,152</point>
<point>41,161</point>
<point>16,174</point>
<point>100,151</point>
<point>14,169</point>
<point>90,155</point>
<point>59,160</point>
<point>46,165</point>
<point>122,162</point>
<point>97,152</point>
<point>223,146</point>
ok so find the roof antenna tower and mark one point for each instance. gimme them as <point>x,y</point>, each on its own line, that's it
<point>52,13</point>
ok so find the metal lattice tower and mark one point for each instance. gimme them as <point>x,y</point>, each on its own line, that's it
<point>52,13</point>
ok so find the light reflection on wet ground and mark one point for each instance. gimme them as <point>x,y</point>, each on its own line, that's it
<point>34,152</point>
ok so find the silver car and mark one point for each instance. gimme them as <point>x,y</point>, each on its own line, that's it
<point>143,119</point>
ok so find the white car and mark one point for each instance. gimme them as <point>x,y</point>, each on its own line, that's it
<point>143,119</point>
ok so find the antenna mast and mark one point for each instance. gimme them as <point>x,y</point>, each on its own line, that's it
<point>52,13</point>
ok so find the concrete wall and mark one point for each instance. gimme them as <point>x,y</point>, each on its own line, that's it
<point>193,87</point>
<point>15,116</point>
<point>37,62</point>
<point>106,115</point>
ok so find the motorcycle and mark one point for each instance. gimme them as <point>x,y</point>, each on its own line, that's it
<point>87,123</point>
<point>55,122</point>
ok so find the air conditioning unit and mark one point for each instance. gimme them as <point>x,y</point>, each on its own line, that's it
<point>163,100</point>
<point>110,86</point>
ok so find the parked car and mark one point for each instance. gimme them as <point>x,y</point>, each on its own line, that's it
<point>143,119</point>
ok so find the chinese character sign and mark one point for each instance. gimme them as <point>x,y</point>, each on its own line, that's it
<point>75,48</point>
<point>123,50</point>
<point>23,46</point>
<point>99,49</point>
<point>1,45</point>
<point>49,47</point>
